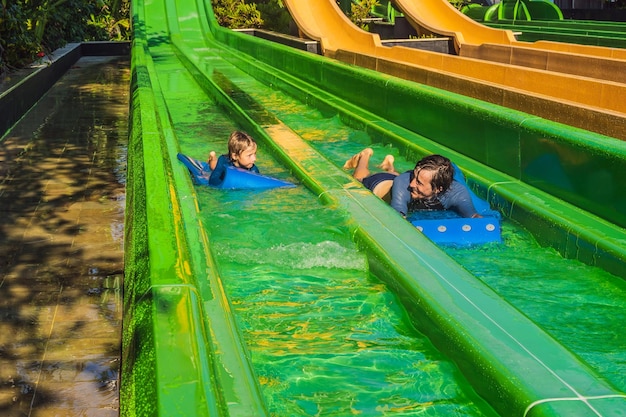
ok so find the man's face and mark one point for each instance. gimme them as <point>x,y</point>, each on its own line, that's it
<point>420,186</point>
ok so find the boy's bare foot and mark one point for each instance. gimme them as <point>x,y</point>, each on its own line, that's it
<point>212,160</point>
<point>387,164</point>
<point>354,161</point>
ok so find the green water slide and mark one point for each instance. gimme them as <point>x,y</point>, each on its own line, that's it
<point>523,10</point>
<point>184,347</point>
<point>535,20</point>
<point>565,31</point>
<point>386,11</point>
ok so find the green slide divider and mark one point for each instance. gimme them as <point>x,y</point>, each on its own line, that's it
<point>512,362</point>
<point>162,328</point>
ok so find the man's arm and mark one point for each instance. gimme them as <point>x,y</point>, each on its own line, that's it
<point>400,194</point>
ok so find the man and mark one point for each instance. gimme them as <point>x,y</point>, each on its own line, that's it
<point>429,186</point>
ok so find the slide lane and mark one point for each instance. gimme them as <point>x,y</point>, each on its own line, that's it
<point>390,246</point>
<point>594,104</point>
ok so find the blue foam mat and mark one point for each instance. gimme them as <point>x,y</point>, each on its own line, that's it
<point>448,228</point>
<point>235,178</point>
<point>460,231</point>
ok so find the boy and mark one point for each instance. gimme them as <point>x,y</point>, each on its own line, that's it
<point>241,154</point>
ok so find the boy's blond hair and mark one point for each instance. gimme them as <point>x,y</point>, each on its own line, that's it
<point>238,142</point>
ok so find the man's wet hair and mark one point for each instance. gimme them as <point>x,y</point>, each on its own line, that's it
<point>443,171</point>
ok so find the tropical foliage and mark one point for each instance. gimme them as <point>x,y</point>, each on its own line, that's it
<point>361,11</point>
<point>236,14</point>
<point>272,14</point>
<point>31,28</point>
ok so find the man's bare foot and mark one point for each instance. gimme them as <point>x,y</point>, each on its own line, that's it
<point>387,164</point>
<point>354,161</point>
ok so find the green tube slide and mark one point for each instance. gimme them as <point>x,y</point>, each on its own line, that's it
<point>531,31</point>
<point>543,20</point>
<point>187,348</point>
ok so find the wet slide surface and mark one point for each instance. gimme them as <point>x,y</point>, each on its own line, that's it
<point>324,334</point>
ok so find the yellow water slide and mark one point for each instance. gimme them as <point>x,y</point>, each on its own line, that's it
<point>582,101</point>
<point>330,27</point>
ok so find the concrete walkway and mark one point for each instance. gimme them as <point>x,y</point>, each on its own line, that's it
<point>62,192</point>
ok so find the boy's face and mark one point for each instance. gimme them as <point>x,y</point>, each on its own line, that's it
<point>420,186</point>
<point>247,158</point>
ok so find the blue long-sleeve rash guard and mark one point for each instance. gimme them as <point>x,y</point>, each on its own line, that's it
<point>219,173</point>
